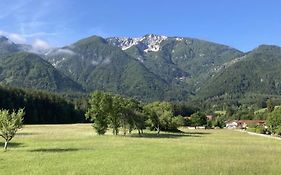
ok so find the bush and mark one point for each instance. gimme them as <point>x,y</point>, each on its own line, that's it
<point>260,130</point>
<point>252,125</point>
<point>257,129</point>
<point>251,129</point>
<point>274,121</point>
<point>219,122</point>
<point>209,124</point>
<point>278,130</point>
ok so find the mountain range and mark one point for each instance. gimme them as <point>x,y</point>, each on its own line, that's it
<point>148,68</point>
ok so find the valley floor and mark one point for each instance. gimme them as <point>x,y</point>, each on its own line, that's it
<point>76,149</point>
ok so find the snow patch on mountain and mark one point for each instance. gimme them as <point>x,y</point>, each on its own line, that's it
<point>56,62</point>
<point>153,42</point>
<point>125,43</point>
<point>179,39</point>
<point>148,43</point>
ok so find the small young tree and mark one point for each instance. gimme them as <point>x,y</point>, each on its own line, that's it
<point>9,124</point>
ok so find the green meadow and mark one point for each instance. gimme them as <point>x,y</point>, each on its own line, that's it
<point>76,149</point>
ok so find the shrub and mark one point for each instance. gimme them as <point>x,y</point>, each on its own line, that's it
<point>260,130</point>
<point>278,130</point>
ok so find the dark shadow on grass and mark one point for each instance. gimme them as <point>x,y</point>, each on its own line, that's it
<point>26,134</point>
<point>54,150</point>
<point>11,144</point>
<point>197,133</point>
<point>163,135</point>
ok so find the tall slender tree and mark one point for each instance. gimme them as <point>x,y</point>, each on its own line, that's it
<point>99,110</point>
<point>270,105</point>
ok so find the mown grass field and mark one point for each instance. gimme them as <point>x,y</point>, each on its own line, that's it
<point>76,149</point>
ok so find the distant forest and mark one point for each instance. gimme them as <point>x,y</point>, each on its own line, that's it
<point>43,107</point>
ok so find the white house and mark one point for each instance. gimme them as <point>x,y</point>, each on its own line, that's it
<point>232,124</point>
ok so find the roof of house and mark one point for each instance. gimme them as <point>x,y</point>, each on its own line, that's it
<point>251,121</point>
<point>246,121</point>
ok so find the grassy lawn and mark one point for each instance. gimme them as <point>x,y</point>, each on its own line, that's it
<point>76,149</point>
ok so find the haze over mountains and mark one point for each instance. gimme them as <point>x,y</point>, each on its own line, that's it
<point>151,67</point>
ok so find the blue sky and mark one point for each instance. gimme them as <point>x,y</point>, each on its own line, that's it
<point>243,24</point>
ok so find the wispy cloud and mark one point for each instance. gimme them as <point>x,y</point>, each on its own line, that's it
<point>59,22</point>
<point>30,21</point>
<point>39,44</point>
<point>13,8</point>
<point>16,38</point>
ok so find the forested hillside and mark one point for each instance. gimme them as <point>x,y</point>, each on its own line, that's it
<point>257,74</point>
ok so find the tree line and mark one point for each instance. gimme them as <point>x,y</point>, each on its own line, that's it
<point>41,107</point>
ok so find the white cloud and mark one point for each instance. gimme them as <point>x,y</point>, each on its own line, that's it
<point>16,38</point>
<point>40,44</point>
<point>24,38</point>
<point>65,51</point>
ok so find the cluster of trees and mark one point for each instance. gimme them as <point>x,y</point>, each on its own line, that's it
<point>200,119</point>
<point>107,110</point>
<point>271,113</point>
<point>161,117</point>
<point>248,112</point>
<point>41,107</point>
<point>218,103</point>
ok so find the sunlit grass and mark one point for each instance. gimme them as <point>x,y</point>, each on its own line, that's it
<point>76,149</point>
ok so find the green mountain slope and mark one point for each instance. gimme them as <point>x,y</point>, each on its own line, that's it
<point>152,67</point>
<point>96,65</point>
<point>186,61</point>
<point>258,72</point>
<point>28,70</point>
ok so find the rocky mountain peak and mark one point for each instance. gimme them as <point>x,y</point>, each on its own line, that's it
<point>148,43</point>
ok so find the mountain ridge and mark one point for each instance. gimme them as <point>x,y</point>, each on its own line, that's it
<point>151,67</point>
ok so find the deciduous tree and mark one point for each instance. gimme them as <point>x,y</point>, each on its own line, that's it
<point>270,105</point>
<point>99,110</point>
<point>198,119</point>
<point>274,121</point>
<point>9,124</point>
